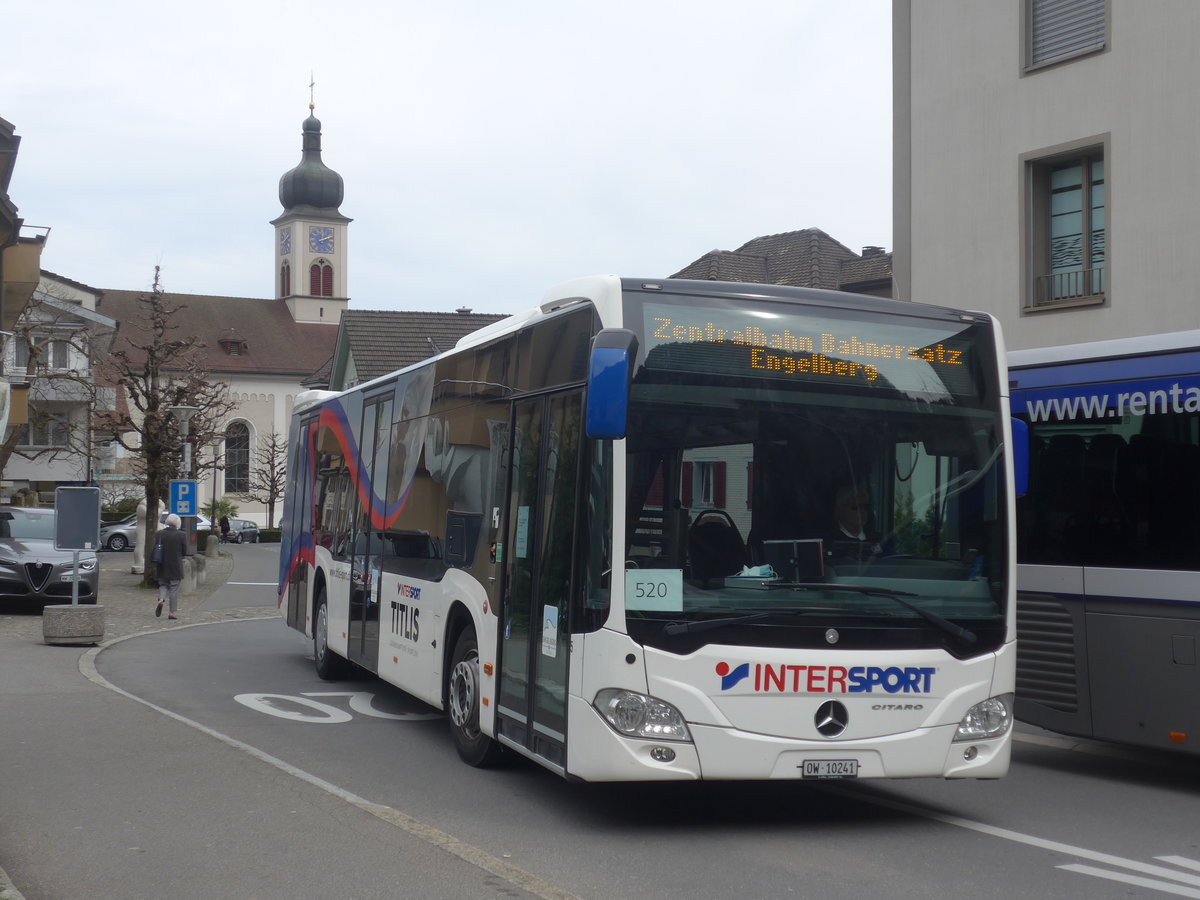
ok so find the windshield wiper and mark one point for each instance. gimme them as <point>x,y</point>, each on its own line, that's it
<point>963,634</point>
<point>706,624</point>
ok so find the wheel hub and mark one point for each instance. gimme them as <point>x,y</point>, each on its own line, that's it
<point>463,693</point>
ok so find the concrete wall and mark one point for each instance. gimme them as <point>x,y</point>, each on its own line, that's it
<point>968,116</point>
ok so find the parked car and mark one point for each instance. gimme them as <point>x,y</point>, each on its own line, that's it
<point>242,531</point>
<point>30,567</point>
<point>122,535</point>
<point>119,535</point>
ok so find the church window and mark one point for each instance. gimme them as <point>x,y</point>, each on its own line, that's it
<point>237,458</point>
<point>285,280</point>
<point>320,279</point>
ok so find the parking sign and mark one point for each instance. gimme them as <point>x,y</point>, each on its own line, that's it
<point>184,498</point>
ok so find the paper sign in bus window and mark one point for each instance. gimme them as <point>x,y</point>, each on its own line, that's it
<point>654,589</point>
<point>550,631</point>
<point>522,551</point>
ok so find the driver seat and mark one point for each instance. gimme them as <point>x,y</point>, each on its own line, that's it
<point>715,547</point>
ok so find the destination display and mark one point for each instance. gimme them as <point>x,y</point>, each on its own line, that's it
<point>924,358</point>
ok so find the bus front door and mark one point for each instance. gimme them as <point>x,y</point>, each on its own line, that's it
<point>538,549</point>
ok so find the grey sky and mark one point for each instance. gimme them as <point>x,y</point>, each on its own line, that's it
<point>489,150</point>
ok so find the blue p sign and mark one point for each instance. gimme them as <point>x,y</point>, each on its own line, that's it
<point>184,498</point>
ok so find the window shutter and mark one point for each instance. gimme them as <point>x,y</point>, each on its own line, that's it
<point>314,281</point>
<point>654,496</point>
<point>327,281</point>
<point>1062,28</point>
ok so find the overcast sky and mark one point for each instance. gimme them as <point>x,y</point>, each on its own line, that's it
<point>489,149</point>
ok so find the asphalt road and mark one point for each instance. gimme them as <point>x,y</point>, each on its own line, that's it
<point>211,761</point>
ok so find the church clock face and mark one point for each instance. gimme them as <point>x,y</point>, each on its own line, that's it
<point>285,241</point>
<point>320,239</point>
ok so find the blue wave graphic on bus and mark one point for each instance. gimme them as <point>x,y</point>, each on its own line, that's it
<point>730,678</point>
<point>381,514</point>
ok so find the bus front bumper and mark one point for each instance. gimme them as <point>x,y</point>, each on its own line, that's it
<point>727,754</point>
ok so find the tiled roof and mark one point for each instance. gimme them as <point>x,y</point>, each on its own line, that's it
<point>805,258</point>
<point>873,267</point>
<point>381,341</point>
<point>276,345</point>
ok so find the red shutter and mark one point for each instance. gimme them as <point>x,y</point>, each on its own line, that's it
<point>654,497</point>
<point>314,281</point>
<point>686,493</point>
<point>327,282</point>
<point>719,484</point>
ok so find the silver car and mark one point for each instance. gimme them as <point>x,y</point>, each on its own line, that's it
<point>31,569</point>
<point>119,535</point>
<point>122,535</point>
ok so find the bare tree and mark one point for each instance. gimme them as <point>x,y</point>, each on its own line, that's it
<point>268,475</point>
<point>157,370</point>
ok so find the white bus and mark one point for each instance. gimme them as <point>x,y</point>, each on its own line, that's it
<point>1109,540</point>
<point>602,535</point>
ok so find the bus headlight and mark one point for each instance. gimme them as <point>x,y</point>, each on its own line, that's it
<point>989,719</point>
<point>639,716</point>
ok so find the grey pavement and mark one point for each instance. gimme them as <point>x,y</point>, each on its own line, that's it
<point>101,796</point>
<point>128,610</point>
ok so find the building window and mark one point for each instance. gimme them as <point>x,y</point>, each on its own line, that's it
<point>1058,30</point>
<point>237,458</point>
<point>285,280</point>
<point>1068,222</point>
<point>46,354</point>
<point>44,430</point>
<point>320,279</point>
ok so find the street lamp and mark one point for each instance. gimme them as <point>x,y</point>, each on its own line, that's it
<point>216,448</point>
<point>183,414</point>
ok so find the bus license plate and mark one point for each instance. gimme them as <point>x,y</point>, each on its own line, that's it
<point>830,768</point>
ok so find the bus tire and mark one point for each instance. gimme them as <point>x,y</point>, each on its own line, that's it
<point>462,702</point>
<point>330,666</point>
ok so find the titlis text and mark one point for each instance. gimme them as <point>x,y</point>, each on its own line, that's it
<point>406,616</point>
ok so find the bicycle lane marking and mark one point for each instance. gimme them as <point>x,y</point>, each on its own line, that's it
<point>514,875</point>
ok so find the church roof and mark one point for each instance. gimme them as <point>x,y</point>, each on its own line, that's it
<point>272,342</point>
<point>381,341</point>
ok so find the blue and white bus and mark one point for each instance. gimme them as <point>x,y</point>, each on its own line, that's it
<point>601,535</point>
<point>1109,540</point>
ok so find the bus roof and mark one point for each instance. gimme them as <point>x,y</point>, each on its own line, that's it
<point>1110,349</point>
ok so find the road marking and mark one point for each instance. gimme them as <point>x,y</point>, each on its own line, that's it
<point>323,713</point>
<point>1126,878</point>
<point>469,853</point>
<point>1008,834</point>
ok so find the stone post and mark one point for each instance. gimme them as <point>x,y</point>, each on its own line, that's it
<point>69,623</point>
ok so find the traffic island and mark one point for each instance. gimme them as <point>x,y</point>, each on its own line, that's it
<point>69,623</point>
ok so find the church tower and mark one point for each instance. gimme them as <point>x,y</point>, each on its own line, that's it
<point>310,236</point>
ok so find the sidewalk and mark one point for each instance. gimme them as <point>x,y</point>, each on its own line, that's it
<point>128,610</point>
<point>129,607</point>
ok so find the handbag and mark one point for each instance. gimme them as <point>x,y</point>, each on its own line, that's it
<point>156,555</point>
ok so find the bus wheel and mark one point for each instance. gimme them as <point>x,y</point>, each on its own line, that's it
<point>462,693</point>
<point>330,666</point>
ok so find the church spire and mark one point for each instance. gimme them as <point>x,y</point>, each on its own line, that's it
<point>312,184</point>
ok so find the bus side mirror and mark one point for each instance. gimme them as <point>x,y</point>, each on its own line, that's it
<point>1020,439</point>
<point>609,374</point>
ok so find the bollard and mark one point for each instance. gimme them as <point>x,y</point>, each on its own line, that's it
<point>70,623</point>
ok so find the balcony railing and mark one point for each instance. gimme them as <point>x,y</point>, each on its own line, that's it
<point>1078,284</point>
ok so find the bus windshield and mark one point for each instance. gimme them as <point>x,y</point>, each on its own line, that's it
<point>803,476</point>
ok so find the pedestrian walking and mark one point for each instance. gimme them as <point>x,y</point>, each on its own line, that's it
<point>170,546</point>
